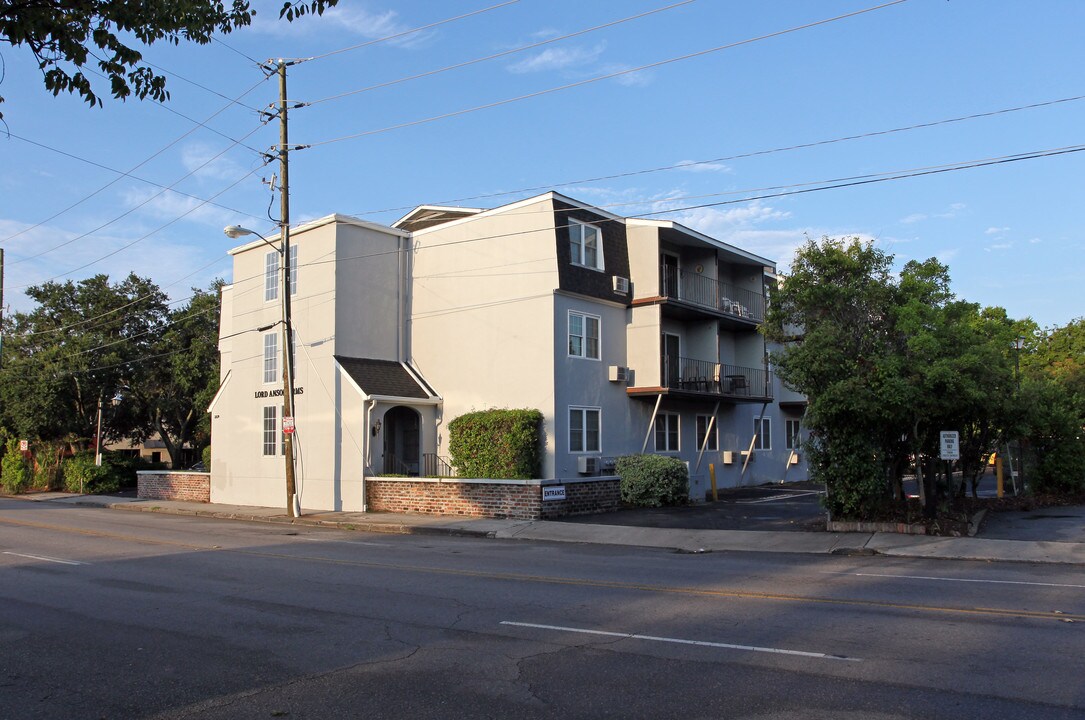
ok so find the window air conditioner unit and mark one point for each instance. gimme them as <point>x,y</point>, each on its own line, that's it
<point>621,284</point>
<point>587,465</point>
<point>728,457</point>
<point>608,463</point>
<point>618,373</point>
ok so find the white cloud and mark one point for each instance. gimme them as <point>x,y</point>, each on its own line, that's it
<point>996,231</point>
<point>947,255</point>
<point>361,23</point>
<point>913,218</point>
<point>641,78</point>
<point>169,205</point>
<point>1033,241</point>
<point>999,246</point>
<point>557,58</point>
<point>200,160</point>
<point>698,166</point>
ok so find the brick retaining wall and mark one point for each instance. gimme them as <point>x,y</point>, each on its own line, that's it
<point>502,499</point>
<point>168,485</point>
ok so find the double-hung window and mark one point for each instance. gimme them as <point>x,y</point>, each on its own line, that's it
<point>271,428</point>
<point>703,429</point>
<point>271,357</point>
<point>583,335</point>
<point>762,428</point>
<point>585,244</point>
<point>584,430</point>
<point>666,432</point>
<point>792,428</point>
<point>271,276</point>
<point>293,269</point>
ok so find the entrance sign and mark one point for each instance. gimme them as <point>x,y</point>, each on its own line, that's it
<point>556,492</point>
<point>288,424</point>
<point>950,445</point>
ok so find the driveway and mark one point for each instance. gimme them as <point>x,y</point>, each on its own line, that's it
<point>795,507</point>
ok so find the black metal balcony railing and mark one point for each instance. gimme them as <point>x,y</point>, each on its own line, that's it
<point>713,294</point>
<point>705,376</point>
<point>433,465</point>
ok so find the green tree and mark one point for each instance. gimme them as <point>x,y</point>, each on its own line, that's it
<point>67,35</point>
<point>172,396</point>
<point>886,362</point>
<point>83,343</point>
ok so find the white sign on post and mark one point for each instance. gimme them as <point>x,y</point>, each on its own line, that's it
<point>950,445</point>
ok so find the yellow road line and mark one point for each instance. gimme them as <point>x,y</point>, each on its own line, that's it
<point>579,582</point>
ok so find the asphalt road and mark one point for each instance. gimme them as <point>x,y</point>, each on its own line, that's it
<point>106,614</point>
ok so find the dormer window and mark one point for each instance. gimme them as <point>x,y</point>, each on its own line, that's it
<point>585,245</point>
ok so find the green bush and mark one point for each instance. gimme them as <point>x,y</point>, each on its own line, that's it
<point>82,475</point>
<point>206,457</point>
<point>499,444</point>
<point>653,480</point>
<point>14,472</point>
<point>48,456</point>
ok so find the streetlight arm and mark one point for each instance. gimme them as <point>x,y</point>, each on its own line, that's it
<point>236,231</point>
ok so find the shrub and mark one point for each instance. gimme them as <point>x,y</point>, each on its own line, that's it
<point>205,456</point>
<point>653,480</point>
<point>48,456</point>
<point>14,472</point>
<point>499,444</point>
<point>82,475</point>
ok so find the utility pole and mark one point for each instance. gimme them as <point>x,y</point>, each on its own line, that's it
<point>292,503</point>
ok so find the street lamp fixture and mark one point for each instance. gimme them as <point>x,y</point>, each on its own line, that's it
<point>293,503</point>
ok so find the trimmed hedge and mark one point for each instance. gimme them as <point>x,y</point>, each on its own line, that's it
<point>82,475</point>
<point>653,480</point>
<point>497,444</point>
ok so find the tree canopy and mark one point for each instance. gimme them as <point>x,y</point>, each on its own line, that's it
<point>94,340</point>
<point>887,360</point>
<point>65,36</point>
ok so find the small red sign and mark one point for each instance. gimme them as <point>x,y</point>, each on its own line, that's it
<point>24,445</point>
<point>288,425</point>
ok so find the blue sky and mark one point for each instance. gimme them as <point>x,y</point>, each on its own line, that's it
<point>1011,233</point>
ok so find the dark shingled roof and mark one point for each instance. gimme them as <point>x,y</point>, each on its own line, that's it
<point>382,377</point>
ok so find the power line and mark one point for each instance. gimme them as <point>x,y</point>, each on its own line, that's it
<point>739,156</point>
<point>599,78</point>
<point>785,190</point>
<point>147,235</point>
<point>411,32</point>
<point>133,169</point>
<point>513,51</point>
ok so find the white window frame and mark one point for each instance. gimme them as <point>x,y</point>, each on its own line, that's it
<point>271,275</point>
<point>672,426</point>
<point>763,427</point>
<point>271,358</point>
<point>583,437</point>
<point>578,244</point>
<point>713,439</point>
<point>792,433</point>
<point>270,430</point>
<point>293,269</point>
<point>584,336</point>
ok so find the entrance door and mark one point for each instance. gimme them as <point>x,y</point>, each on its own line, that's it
<point>671,360</point>
<point>668,281</point>
<point>402,430</point>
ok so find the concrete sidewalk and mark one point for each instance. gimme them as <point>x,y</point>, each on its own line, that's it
<point>682,540</point>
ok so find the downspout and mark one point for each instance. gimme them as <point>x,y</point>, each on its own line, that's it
<point>651,423</point>
<point>367,454</point>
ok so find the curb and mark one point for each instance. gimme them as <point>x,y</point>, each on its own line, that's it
<point>390,529</point>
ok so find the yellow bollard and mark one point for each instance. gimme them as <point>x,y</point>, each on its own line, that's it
<point>712,474</point>
<point>998,473</point>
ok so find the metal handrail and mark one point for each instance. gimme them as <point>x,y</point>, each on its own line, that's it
<point>710,293</point>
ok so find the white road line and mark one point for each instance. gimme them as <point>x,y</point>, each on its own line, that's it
<point>680,641</point>
<point>773,498</point>
<point>45,559</point>
<point>968,580</point>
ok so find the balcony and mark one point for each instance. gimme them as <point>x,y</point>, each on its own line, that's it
<point>692,290</point>
<point>689,377</point>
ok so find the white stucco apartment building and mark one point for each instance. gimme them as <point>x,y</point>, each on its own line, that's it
<point>628,335</point>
